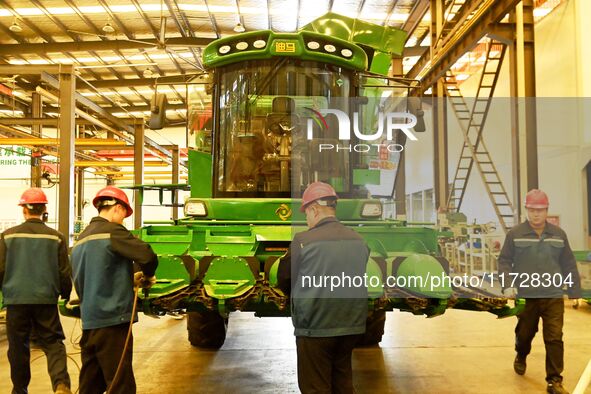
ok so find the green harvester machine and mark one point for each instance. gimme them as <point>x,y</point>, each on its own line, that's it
<point>247,171</point>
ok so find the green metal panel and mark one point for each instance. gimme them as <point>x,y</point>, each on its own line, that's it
<point>200,169</point>
<point>228,277</point>
<point>374,275</point>
<point>280,210</point>
<point>423,266</point>
<point>380,64</point>
<point>381,38</point>
<point>283,44</point>
<point>173,240</point>
<point>273,281</point>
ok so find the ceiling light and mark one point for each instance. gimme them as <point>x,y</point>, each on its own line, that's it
<point>107,28</point>
<point>15,27</point>
<point>239,28</point>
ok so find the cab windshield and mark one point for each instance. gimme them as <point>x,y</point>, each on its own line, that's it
<point>264,110</point>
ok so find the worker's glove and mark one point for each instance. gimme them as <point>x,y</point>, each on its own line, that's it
<point>510,292</point>
<point>577,302</point>
<point>147,282</point>
<point>137,279</point>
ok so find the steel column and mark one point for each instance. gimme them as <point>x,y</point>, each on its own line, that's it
<point>515,156</point>
<point>175,180</point>
<point>79,192</point>
<point>138,171</point>
<point>440,163</point>
<point>67,128</point>
<point>529,76</point>
<point>400,182</point>
<point>523,106</point>
<point>36,130</point>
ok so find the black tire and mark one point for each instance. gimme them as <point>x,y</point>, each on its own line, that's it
<point>374,329</point>
<point>206,329</point>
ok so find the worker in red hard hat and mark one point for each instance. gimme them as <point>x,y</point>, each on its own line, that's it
<point>102,265</point>
<point>538,249</point>
<point>34,272</point>
<point>328,321</point>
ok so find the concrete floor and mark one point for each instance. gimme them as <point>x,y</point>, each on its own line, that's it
<point>459,352</point>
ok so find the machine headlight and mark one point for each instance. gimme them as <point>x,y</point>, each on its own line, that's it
<point>195,208</point>
<point>313,45</point>
<point>224,49</point>
<point>371,209</point>
<point>346,52</point>
<point>242,45</point>
<point>259,44</point>
<point>330,48</point>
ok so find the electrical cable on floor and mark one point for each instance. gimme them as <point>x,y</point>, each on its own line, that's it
<point>117,373</point>
<point>76,344</point>
<point>69,355</point>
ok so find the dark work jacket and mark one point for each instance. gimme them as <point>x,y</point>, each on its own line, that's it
<point>102,267</point>
<point>526,253</point>
<point>325,251</point>
<point>34,266</point>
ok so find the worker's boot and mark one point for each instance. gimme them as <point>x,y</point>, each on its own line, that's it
<point>519,365</point>
<point>62,389</point>
<point>556,387</point>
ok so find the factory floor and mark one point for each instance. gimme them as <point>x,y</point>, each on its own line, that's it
<point>459,352</point>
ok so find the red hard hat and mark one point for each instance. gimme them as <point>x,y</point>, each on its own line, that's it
<point>536,198</point>
<point>316,191</point>
<point>112,192</point>
<point>33,195</point>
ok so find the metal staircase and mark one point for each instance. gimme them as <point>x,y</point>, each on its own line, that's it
<point>474,150</point>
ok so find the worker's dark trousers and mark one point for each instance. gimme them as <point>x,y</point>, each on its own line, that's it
<point>324,364</point>
<point>20,319</point>
<point>101,352</point>
<point>551,310</point>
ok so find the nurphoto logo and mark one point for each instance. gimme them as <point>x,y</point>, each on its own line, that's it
<point>390,121</point>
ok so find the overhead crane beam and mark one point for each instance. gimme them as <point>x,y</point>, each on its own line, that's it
<point>416,15</point>
<point>45,70</point>
<point>89,143</point>
<point>104,126</point>
<point>53,152</point>
<point>111,172</point>
<point>131,82</point>
<point>105,114</point>
<point>142,108</point>
<point>110,45</point>
<point>118,163</point>
<point>456,45</point>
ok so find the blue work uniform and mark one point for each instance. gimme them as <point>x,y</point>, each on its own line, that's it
<point>547,256</point>
<point>102,267</point>
<point>34,272</point>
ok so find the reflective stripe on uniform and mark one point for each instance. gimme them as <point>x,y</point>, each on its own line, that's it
<point>24,235</point>
<point>93,237</point>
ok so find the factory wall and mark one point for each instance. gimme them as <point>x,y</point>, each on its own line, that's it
<point>563,121</point>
